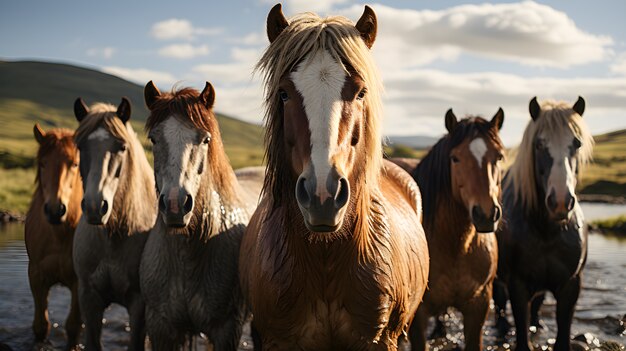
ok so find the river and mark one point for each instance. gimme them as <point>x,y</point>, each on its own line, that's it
<point>601,306</point>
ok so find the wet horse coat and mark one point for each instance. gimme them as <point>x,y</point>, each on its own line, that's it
<point>49,229</point>
<point>543,242</point>
<point>119,208</point>
<point>189,273</point>
<point>334,256</point>
<point>460,180</point>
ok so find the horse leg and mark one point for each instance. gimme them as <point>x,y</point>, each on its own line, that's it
<point>474,315</point>
<point>136,314</point>
<point>519,304</point>
<point>499,300</point>
<point>92,308</point>
<point>417,331</point>
<point>226,336</point>
<point>535,306</point>
<point>73,322</point>
<point>39,290</point>
<point>566,299</point>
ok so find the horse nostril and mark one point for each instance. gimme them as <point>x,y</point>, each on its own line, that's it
<point>162,204</point>
<point>188,205</point>
<point>46,209</point>
<point>62,210</point>
<point>477,214</point>
<point>343,193</point>
<point>551,201</point>
<point>104,207</point>
<point>571,202</point>
<point>302,195</point>
<point>497,213</point>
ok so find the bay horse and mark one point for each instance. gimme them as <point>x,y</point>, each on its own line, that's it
<point>335,256</point>
<point>119,208</point>
<point>460,182</point>
<point>543,242</point>
<point>189,269</point>
<point>49,229</point>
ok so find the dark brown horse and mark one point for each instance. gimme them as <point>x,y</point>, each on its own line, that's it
<point>460,181</point>
<point>189,267</point>
<point>335,256</point>
<point>50,223</point>
<point>543,242</point>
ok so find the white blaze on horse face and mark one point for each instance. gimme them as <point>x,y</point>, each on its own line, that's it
<point>184,155</point>
<point>478,147</point>
<point>562,176</point>
<point>320,79</point>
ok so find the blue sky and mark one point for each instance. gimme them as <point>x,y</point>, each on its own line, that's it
<point>433,55</point>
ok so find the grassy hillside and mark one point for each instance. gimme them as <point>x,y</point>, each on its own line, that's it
<point>39,92</point>
<point>607,173</point>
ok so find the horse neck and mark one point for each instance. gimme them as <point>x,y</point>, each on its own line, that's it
<point>219,207</point>
<point>134,208</point>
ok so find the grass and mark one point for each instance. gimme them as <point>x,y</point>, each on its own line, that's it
<point>607,174</point>
<point>614,225</point>
<point>17,188</point>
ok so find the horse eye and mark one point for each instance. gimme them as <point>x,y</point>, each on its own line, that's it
<point>454,159</point>
<point>74,165</point>
<point>283,95</point>
<point>123,147</point>
<point>206,140</point>
<point>361,94</point>
<point>577,143</point>
<point>500,157</point>
<point>151,140</point>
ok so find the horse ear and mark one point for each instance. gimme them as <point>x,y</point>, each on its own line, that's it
<point>367,26</point>
<point>123,110</point>
<point>579,106</point>
<point>534,108</point>
<point>150,94</point>
<point>276,22</point>
<point>39,133</point>
<point>207,96</point>
<point>498,119</point>
<point>80,109</point>
<point>451,121</point>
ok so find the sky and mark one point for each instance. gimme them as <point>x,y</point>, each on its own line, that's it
<point>432,55</point>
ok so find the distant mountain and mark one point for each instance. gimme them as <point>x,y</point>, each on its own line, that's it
<point>44,92</point>
<point>413,141</point>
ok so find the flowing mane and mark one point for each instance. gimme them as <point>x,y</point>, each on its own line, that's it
<point>133,213</point>
<point>556,119</point>
<point>220,187</point>
<point>434,169</point>
<point>307,34</point>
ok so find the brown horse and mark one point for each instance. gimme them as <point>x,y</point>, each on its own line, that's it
<point>335,256</point>
<point>49,231</point>
<point>460,180</point>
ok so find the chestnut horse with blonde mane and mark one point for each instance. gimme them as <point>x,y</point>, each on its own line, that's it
<point>119,208</point>
<point>49,229</point>
<point>189,269</point>
<point>460,182</point>
<point>335,256</point>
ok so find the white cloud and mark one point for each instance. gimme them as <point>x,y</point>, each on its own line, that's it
<point>139,75</point>
<point>105,52</point>
<point>236,72</point>
<point>184,51</point>
<point>525,32</point>
<point>297,6</point>
<point>619,66</point>
<point>176,28</point>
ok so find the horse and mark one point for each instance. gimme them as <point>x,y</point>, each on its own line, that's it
<point>49,229</point>
<point>543,239</point>
<point>460,182</point>
<point>335,256</point>
<point>119,209</point>
<point>189,269</point>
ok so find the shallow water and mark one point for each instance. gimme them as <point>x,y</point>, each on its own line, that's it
<point>601,306</point>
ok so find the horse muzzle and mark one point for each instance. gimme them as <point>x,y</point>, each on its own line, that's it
<point>560,210</point>
<point>486,223</point>
<point>96,211</point>
<point>176,206</point>
<point>55,213</point>
<point>323,213</point>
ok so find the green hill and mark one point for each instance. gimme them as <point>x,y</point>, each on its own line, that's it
<point>607,174</point>
<point>44,92</point>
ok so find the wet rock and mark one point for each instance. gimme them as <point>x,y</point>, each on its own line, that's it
<point>576,345</point>
<point>588,339</point>
<point>611,346</point>
<point>5,347</point>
